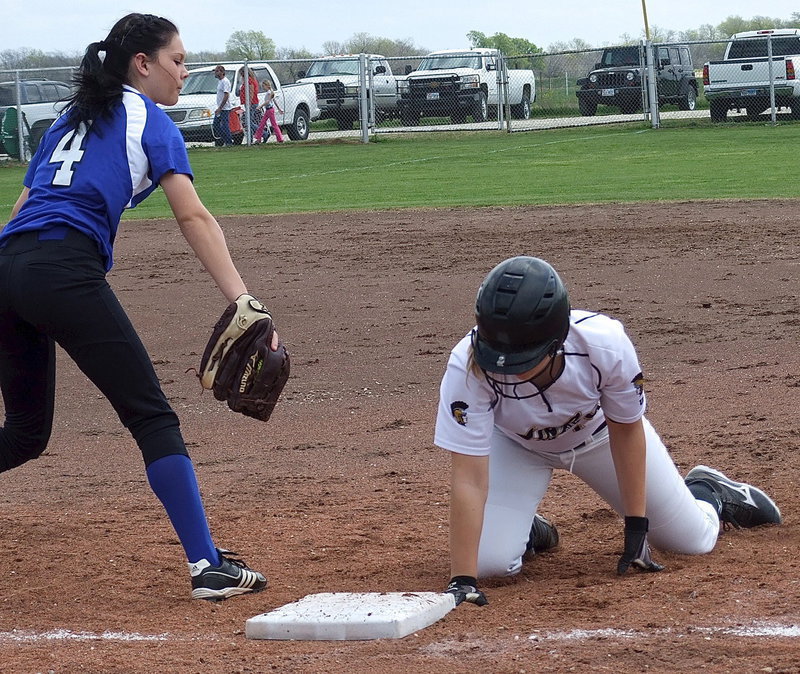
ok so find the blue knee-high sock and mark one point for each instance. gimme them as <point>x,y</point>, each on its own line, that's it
<point>173,481</point>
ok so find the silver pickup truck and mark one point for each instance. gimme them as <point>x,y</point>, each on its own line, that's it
<point>741,81</point>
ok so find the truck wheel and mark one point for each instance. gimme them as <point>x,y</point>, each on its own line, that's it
<point>409,117</point>
<point>298,129</point>
<point>756,107</point>
<point>344,121</point>
<point>523,110</point>
<point>481,109</point>
<point>587,108</point>
<point>719,111</point>
<point>794,110</point>
<point>689,99</point>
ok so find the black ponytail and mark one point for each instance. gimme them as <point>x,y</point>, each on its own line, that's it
<point>104,67</point>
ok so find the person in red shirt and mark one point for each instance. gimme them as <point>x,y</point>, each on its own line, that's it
<point>249,85</point>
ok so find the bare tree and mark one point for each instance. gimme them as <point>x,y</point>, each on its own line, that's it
<point>13,59</point>
<point>331,48</point>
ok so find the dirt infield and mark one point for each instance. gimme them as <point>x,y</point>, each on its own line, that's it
<point>343,490</point>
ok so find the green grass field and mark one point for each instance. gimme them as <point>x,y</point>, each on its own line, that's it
<point>567,166</point>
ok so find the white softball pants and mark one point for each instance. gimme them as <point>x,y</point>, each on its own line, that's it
<point>518,479</point>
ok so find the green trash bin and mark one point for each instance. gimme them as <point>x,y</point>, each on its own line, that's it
<point>10,132</point>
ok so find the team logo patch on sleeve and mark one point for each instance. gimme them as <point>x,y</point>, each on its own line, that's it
<point>459,410</point>
<point>638,384</point>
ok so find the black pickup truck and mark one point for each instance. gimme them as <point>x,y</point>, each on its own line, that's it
<point>620,78</point>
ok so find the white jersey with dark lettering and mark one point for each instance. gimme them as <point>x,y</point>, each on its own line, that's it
<point>601,377</point>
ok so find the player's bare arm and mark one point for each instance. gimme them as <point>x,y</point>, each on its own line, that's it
<point>203,234</point>
<point>469,480</point>
<point>628,449</point>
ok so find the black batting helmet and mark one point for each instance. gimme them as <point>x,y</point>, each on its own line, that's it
<point>522,312</point>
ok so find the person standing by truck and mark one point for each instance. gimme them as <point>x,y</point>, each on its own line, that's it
<point>249,86</point>
<point>222,115</point>
<point>269,105</point>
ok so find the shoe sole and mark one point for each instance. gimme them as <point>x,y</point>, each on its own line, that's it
<point>736,486</point>
<point>222,595</point>
<point>554,539</point>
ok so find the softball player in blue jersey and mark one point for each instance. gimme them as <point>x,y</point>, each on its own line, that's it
<point>108,151</point>
<point>535,387</point>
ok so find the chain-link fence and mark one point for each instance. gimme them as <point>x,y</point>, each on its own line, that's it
<point>473,89</point>
<point>30,101</point>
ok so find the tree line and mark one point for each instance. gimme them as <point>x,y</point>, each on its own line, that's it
<point>255,45</point>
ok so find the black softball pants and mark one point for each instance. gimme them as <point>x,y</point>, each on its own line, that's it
<point>55,291</point>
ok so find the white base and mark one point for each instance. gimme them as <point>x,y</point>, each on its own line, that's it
<point>351,615</point>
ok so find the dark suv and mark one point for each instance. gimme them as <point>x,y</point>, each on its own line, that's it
<point>619,79</point>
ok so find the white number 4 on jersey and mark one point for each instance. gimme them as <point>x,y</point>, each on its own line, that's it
<point>68,152</point>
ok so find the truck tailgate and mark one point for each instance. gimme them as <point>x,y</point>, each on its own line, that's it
<point>746,73</point>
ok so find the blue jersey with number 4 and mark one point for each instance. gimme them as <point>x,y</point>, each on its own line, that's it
<point>85,180</point>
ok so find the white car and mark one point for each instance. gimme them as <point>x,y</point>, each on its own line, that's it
<point>42,103</point>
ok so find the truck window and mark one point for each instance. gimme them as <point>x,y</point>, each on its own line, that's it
<point>623,56</point>
<point>8,94</point>
<point>201,83</point>
<point>261,74</point>
<point>50,92</point>
<point>674,56</point>
<point>448,62</point>
<point>686,57</point>
<point>333,67</point>
<point>751,48</point>
<point>32,93</point>
<point>663,56</point>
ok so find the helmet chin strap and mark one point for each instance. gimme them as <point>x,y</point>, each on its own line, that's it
<point>539,382</point>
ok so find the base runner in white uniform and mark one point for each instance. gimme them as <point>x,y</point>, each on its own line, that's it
<point>536,386</point>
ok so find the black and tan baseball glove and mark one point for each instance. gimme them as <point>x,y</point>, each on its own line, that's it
<point>238,364</point>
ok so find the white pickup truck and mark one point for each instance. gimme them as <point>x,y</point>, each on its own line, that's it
<point>337,81</point>
<point>741,81</point>
<point>460,82</point>
<point>193,114</point>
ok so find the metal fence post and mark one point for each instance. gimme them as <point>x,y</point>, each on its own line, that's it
<point>248,132</point>
<point>772,109</point>
<point>23,154</point>
<point>506,103</point>
<point>652,87</point>
<point>362,97</point>
<point>372,120</point>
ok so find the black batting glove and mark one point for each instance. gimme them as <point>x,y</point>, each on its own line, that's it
<point>637,551</point>
<point>465,588</point>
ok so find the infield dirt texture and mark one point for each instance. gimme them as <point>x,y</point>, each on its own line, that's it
<point>343,490</point>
